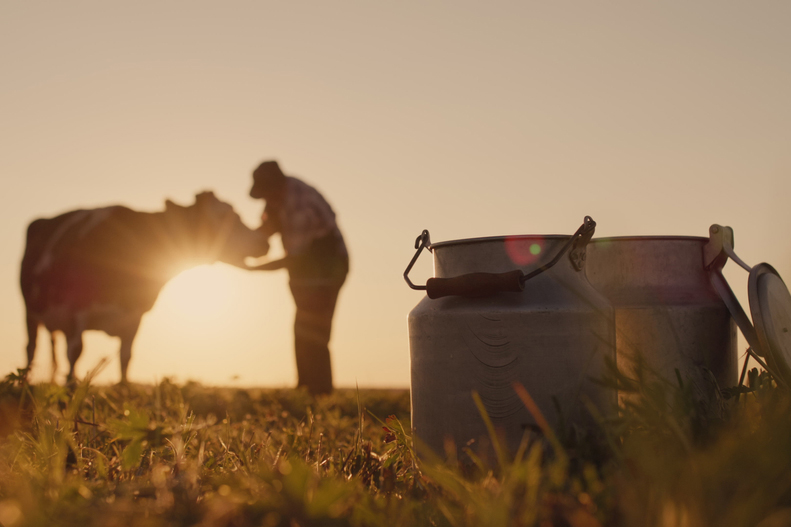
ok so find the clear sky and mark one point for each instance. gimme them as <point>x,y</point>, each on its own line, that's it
<point>466,118</point>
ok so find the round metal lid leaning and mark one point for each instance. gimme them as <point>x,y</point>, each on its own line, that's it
<point>770,306</point>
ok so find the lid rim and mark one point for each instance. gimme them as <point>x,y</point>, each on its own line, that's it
<point>483,239</point>
<point>762,322</point>
<point>650,238</point>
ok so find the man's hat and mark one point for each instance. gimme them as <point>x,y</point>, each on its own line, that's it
<point>266,176</point>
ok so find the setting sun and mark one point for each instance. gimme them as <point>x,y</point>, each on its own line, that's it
<point>199,294</point>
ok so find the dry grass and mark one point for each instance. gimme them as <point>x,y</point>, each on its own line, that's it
<point>190,455</point>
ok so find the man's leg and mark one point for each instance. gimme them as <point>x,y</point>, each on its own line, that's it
<point>312,328</point>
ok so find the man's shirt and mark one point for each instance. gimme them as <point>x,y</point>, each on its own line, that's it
<point>305,216</point>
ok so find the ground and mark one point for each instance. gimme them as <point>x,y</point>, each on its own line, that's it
<point>193,455</point>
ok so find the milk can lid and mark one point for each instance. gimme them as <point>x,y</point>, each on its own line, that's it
<point>770,304</point>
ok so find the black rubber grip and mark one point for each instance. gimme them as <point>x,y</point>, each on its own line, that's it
<point>476,284</point>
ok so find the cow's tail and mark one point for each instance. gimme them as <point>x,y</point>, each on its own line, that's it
<point>34,247</point>
<point>32,335</point>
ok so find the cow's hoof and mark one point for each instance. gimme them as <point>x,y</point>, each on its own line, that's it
<point>123,387</point>
<point>71,383</point>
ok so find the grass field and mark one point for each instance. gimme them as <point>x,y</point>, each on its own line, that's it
<point>191,455</point>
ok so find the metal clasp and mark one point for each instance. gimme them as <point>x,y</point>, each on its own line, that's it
<point>720,248</point>
<point>581,239</point>
<point>422,242</point>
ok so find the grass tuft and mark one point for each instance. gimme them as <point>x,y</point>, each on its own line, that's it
<point>168,454</point>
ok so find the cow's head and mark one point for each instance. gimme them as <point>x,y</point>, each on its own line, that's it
<point>216,232</point>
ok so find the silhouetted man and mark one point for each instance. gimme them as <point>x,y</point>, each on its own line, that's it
<point>317,263</point>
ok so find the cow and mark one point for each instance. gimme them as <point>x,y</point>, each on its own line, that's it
<point>102,269</point>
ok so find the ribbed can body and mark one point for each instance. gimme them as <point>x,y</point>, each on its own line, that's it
<point>552,338</point>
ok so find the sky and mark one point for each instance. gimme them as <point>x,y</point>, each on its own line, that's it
<point>465,118</point>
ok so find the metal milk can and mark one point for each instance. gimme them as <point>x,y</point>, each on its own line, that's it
<point>666,309</point>
<point>501,311</point>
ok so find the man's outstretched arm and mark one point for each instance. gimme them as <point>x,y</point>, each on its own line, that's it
<point>274,265</point>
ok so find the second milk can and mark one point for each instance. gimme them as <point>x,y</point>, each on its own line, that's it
<point>666,310</point>
<point>506,311</point>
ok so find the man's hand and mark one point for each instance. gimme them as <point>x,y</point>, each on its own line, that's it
<point>274,265</point>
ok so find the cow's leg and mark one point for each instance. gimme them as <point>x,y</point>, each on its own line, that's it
<point>54,356</point>
<point>127,338</point>
<point>32,335</point>
<point>73,350</point>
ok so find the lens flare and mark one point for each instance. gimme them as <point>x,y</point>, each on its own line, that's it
<point>523,251</point>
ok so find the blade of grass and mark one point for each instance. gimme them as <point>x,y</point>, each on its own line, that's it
<point>538,416</point>
<point>502,456</point>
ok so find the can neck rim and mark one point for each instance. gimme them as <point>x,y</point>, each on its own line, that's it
<point>521,237</point>
<point>649,238</point>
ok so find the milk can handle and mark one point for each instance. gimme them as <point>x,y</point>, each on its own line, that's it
<point>476,284</point>
<point>422,242</point>
<point>485,284</point>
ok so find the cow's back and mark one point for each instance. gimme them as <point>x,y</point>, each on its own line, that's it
<point>43,238</point>
<point>109,256</point>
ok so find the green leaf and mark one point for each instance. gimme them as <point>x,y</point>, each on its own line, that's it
<point>131,455</point>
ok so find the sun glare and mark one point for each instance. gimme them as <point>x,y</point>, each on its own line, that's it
<point>198,294</point>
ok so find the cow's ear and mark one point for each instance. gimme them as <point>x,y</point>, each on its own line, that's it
<point>205,196</point>
<point>169,205</point>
